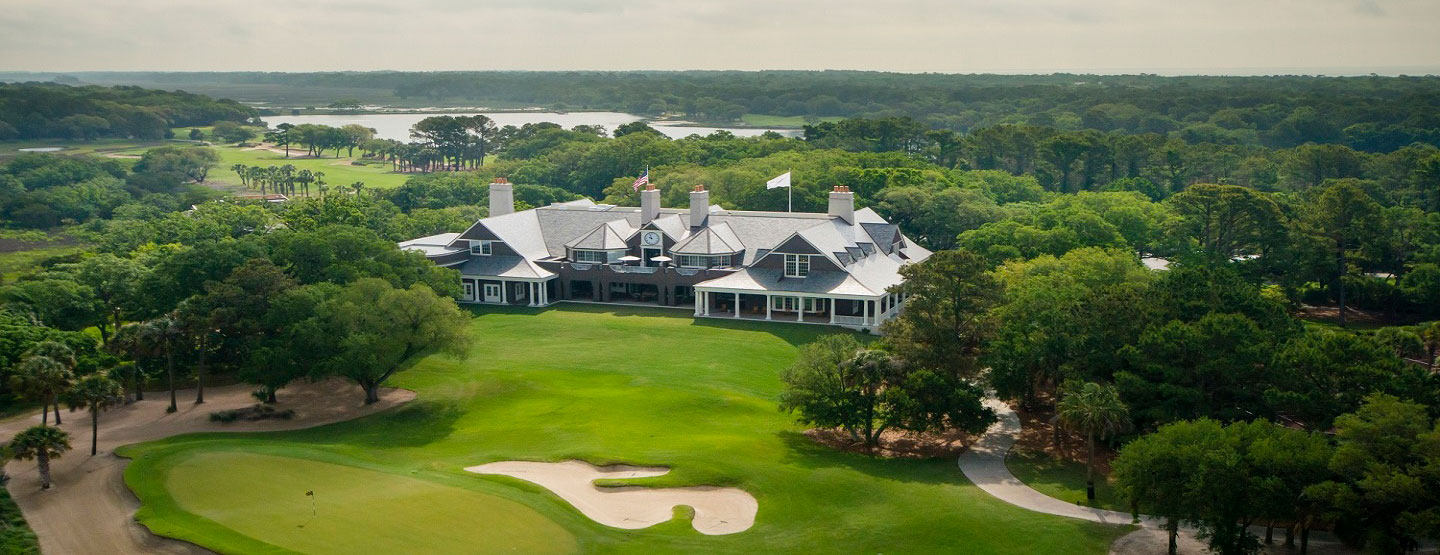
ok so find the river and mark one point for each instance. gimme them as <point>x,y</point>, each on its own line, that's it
<point>397,126</point>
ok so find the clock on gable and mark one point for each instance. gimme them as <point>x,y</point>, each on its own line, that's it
<point>650,238</point>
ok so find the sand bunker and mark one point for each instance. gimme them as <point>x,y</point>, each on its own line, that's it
<point>717,510</point>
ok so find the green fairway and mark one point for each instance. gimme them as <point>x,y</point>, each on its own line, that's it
<point>264,496</point>
<point>1063,480</point>
<point>650,387</point>
<point>338,171</point>
<point>765,120</point>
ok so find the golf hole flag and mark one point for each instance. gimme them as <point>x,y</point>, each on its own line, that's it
<point>782,181</point>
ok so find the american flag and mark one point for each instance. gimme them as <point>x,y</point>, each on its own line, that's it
<point>641,181</point>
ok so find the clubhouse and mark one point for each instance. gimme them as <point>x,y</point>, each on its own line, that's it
<point>832,268</point>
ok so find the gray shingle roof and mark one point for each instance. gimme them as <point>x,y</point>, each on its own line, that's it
<point>502,266</point>
<point>607,236</point>
<point>863,250</point>
<point>715,239</point>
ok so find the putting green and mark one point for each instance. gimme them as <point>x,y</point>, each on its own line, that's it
<point>355,510</point>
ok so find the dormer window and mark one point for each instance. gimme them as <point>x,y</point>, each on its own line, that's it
<point>481,248</point>
<point>797,265</point>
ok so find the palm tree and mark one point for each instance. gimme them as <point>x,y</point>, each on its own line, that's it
<point>41,378</point>
<point>1094,410</point>
<point>161,332</point>
<point>95,393</point>
<point>304,178</point>
<point>41,443</point>
<point>239,170</point>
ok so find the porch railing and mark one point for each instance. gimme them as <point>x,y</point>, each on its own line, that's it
<point>634,269</point>
<point>851,320</point>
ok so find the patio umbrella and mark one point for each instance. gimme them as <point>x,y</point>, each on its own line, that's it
<point>661,259</point>
<point>628,258</point>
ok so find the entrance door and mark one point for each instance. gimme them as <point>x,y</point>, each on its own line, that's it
<point>492,292</point>
<point>469,290</point>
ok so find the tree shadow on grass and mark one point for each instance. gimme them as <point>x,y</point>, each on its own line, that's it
<point>803,452</point>
<point>416,424</point>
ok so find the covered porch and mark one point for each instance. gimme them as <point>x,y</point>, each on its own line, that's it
<point>508,291</point>
<point>808,308</point>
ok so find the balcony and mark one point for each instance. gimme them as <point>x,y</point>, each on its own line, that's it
<point>634,269</point>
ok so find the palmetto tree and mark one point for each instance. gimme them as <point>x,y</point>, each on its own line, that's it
<point>44,379</point>
<point>240,170</point>
<point>161,333</point>
<point>304,178</point>
<point>41,443</point>
<point>1096,411</point>
<point>95,393</point>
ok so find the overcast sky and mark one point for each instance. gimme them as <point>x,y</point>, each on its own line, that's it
<point>963,36</point>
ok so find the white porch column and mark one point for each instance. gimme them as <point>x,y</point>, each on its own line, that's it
<point>799,309</point>
<point>832,310</point>
<point>769,304</point>
<point>697,302</point>
<point>867,312</point>
<point>737,305</point>
<point>705,303</point>
<point>504,290</point>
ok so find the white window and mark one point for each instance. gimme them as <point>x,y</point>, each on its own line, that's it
<point>797,265</point>
<point>595,257</point>
<point>481,248</point>
<point>703,261</point>
<point>788,304</point>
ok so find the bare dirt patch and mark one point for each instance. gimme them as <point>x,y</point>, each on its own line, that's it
<point>90,510</point>
<point>1038,435</point>
<point>895,444</point>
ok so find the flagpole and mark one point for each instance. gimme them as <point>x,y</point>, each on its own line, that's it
<point>789,192</point>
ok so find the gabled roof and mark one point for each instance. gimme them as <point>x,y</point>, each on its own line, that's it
<point>715,239</point>
<point>607,236</point>
<point>509,266</point>
<point>433,245</point>
<point>519,230</point>
<point>673,226</point>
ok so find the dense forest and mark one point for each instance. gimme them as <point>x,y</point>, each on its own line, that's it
<point>1365,113</point>
<point>56,111</point>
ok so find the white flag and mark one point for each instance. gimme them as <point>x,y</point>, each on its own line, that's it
<point>782,181</point>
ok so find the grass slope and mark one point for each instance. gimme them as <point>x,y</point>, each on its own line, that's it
<point>1063,480</point>
<point>15,535</point>
<point>607,385</point>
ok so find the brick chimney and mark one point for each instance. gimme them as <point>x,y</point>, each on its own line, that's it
<point>842,204</point>
<point>502,197</point>
<point>649,203</point>
<point>699,206</point>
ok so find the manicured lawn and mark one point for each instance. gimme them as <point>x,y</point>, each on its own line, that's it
<point>1063,480</point>
<point>338,171</point>
<point>650,387</point>
<point>264,496</point>
<point>765,120</point>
